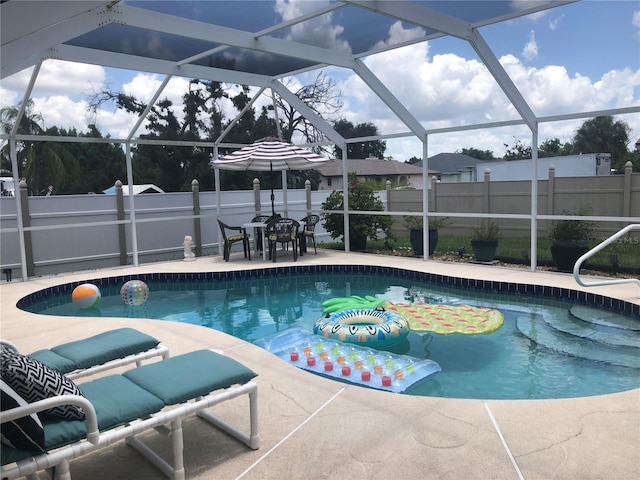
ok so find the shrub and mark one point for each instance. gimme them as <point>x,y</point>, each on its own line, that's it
<point>361,197</point>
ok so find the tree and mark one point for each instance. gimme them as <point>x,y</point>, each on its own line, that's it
<point>322,96</point>
<point>92,167</point>
<point>519,151</point>
<point>479,154</point>
<point>634,158</point>
<point>553,148</point>
<point>39,163</point>
<point>369,149</point>
<point>171,167</point>
<point>603,135</point>
<point>174,167</point>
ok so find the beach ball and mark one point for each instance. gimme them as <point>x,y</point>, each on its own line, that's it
<point>134,292</point>
<point>86,295</point>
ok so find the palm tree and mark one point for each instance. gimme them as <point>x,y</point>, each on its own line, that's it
<point>39,163</point>
<point>603,135</point>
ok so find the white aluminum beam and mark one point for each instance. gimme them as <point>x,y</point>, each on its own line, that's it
<point>428,18</point>
<point>145,64</point>
<point>317,121</point>
<point>500,75</point>
<point>183,27</point>
<point>50,24</point>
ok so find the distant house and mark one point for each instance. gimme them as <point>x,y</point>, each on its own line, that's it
<point>371,169</point>
<point>456,167</point>
<point>453,167</point>
<point>137,189</point>
<point>584,165</point>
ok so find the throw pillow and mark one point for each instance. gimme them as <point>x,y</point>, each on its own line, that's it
<point>35,381</point>
<point>24,433</point>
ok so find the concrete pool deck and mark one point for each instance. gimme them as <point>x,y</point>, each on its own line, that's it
<point>314,428</point>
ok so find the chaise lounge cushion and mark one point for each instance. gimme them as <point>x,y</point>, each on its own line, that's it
<point>208,371</point>
<point>35,381</point>
<point>96,350</point>
<point>116,400</point>
<point>25,433</point>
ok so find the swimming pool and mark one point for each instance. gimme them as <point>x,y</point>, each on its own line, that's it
<point>541,351</point>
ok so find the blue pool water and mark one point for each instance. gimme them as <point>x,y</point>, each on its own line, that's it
<point>541,351</point>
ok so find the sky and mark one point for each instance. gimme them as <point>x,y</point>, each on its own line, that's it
<point>578,57</point>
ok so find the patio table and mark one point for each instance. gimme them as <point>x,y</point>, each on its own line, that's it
<point>262,226</point>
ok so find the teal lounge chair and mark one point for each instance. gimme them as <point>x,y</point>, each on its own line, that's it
<point>119,407</point>
<point>114,348</point>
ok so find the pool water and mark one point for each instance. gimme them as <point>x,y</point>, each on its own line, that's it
<point>530,357</point>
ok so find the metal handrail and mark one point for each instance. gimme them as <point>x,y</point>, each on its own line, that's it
<point>596,249</point>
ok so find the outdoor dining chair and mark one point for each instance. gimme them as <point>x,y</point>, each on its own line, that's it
<point>229,240</point>
<point>282,231</point>
<point>308,232</point>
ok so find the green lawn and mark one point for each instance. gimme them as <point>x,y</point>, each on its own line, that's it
<point>628,253</point>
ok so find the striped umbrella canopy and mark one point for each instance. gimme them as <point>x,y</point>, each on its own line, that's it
<point>270,154</point>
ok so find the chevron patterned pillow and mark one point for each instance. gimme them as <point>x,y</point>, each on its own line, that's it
<point>35,381</point>
<point>25,433</point>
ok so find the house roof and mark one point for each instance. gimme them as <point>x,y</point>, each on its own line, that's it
<point>137,189</point>
<point>370,167</point>
<point>451,162</point>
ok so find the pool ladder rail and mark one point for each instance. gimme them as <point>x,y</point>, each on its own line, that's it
<point>596,249</point>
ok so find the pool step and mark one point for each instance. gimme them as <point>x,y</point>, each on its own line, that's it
<point>595,332</point>
<point>604,318</point>
<point>535,328</point>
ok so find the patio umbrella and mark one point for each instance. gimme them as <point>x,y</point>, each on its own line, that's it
<point>270,154</point>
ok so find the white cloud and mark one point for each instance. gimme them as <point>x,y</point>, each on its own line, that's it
<point>554,22</point>
<point>320,31</point>
<point>530,50</point>
<point>449,90</point>
<point>440,91</point>
<point>635,20</point>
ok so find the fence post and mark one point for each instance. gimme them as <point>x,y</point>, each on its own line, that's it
<point>551,188</point>
<point>432,193</point>
<point>256,196</point>
<point>26,223</point>
<point>195,189</point>
<point>388,189</point>
<point>626,194</point>
<point>307,191</point>
<point>122,237</point>
<point>486,192</point>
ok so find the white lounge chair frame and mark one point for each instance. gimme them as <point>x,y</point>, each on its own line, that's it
<point>95,439</point>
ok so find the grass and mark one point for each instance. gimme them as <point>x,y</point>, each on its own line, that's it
<point>511,249</point>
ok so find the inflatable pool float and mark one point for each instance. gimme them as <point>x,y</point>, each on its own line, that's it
<point>349,303</point>
<point>349,363</point>
<point>446,319</point>
<point>373,328</point>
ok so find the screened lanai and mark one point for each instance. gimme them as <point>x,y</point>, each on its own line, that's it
<point>263,43</point>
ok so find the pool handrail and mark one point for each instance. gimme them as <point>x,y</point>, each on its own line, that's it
<point>596,249</point>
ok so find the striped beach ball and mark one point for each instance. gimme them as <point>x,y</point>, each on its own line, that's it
<point>134,292</point>
<point>86,295</point>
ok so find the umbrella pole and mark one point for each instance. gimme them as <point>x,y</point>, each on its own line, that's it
<point>273,197</point>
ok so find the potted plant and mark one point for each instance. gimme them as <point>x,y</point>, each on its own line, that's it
<point>570,239</point>
<point>361,227</point>
<point>416,232</point>
<point>484,241</point>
